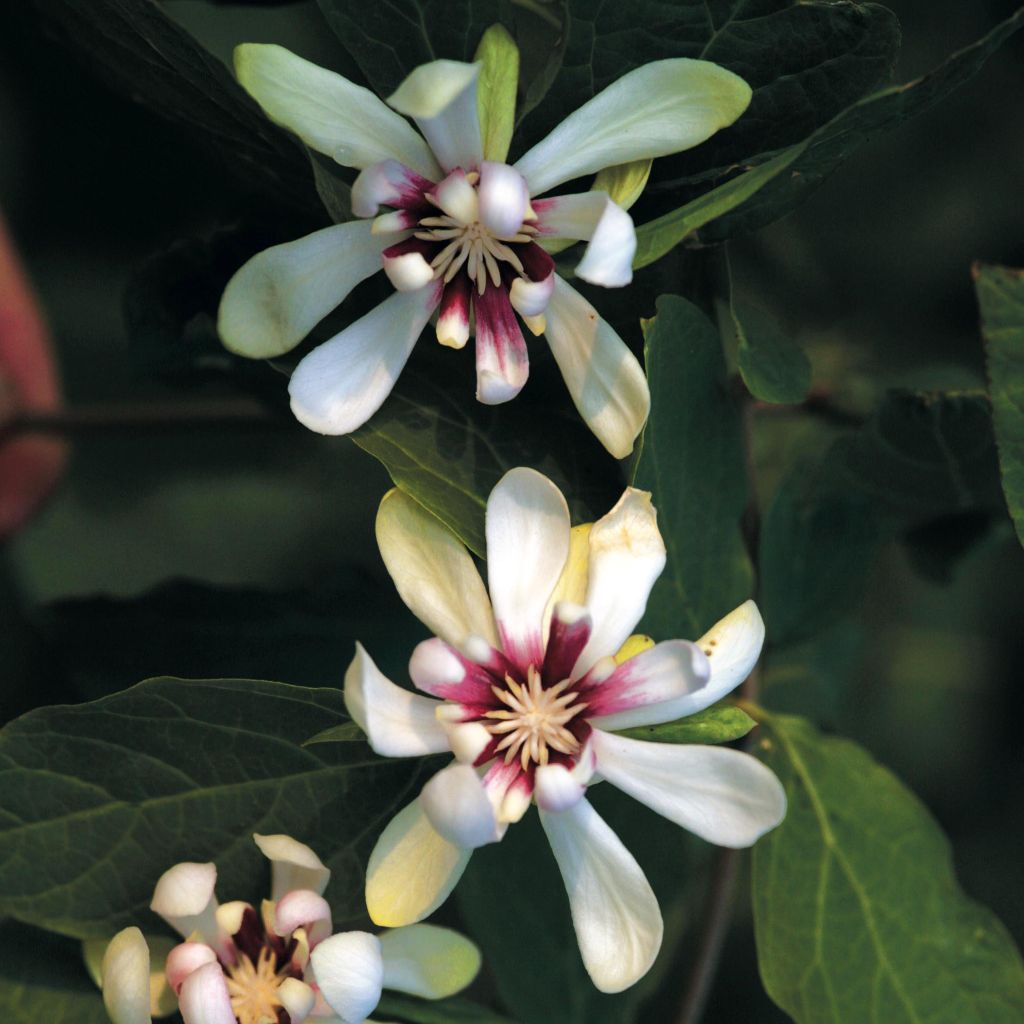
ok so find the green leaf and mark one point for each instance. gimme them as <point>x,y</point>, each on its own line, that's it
<point>857,912</point>
<point>1001,297</point>
<point>496,91</point>
<point>347,732</point>
<point>624,183</point>
<point>331,186</point>
<point>98,800</point>
<point>720,724</point>
<point>773,367</point>
<point>692,459</point>
<point>445,1011</point>
<point>880,112</point>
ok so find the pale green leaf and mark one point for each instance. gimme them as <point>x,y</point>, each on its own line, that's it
<point>496,91</point>
<point>624,182</point>
<point>720,724</point>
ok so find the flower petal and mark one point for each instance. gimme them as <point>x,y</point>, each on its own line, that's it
<point>457,198</point>
<point>725,796</point>
<point>343,382</point>
<point>293,865</point>
<point>349,970</point>
<point>658,685</point>
<point>733,646</point>
<point>184,897</point>
<point>605,380</point>
<point>527,545</point>
<point>297,998</point>
<point>453,323</point>
<point>406,266</point>
<point>303,908</point>
<point>531,298</point>
<point>608,260</point>
<point>185,958</point>
<point>504,199</point>
<point>427,961</point>
<point>282,293</point>
<point>659,108</point>
<point>614,911</point>
<point>412,870</point>
<point>441,98</point>
<point>388,183</point>
<point>204,997</point>
<point>397,723</point>
<point>502,362</point>
<point>125,978</point>
<point>433,572</point>
<point>458,807</point>
<point>626,556</point>
<point>441,671</point>
<point>329,113</point>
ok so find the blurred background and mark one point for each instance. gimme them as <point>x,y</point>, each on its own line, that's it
<point>252,539</point>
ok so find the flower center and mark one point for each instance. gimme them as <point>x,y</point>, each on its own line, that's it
<point>535,719</point>
<point>253,988</point>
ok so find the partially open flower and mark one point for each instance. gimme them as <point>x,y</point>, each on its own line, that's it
<point>279,964</point>
<point>461,234</point>
<point>530,684</point>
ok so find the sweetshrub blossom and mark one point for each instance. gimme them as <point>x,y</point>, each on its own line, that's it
<point>276,965</point>
<point>528,686</point>
<point>461,234</point>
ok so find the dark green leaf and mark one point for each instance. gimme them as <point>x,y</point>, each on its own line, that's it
<point>347,732</point>
<point>98,800</point>
<point>445,1011</point>
<point>857,911</point>
<point>692,459</point>
<point>332,186</point>
<point>720,724</point>
<point>773,367</point>
<point>1001,297</point>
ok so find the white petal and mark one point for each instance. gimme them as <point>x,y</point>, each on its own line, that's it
<point>441,98</point>
<point>328,112</point>
<point>303,908</point>
<point>527,545</point>
<point>184,898</point>
<point>185,958</point>
<point>531,298</point>
<point>388,183</point>
<point>665,682</point>
<point>733,645</point>
<point>555,788</point>
<point>627,555</point>
<point>343,382</point>
<point>349,970</point>
<point>293,865</point>
<point>608,260</point>
<point>125,978</point>
<point>282,293</point>
<point>659,108</point>
<point>204,997</point>
<point>427,961</point>
<point>397,723</point>
<point>412,870</point>
<point>614,911</point>
<point>408,272</point>
<point>457,198</point>
<point>297,998</point>
<point>725,796</point>
<point>504,199</point>
<point>605,380</point>
<point>468,740</point>
<point>433,571</point>
<point>457,805</point>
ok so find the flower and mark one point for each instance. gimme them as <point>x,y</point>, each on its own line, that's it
<point>461,234</point>
<point>281,964</point>
<point>531,693</point>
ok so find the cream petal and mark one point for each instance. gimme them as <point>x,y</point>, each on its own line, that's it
<point>605,380</point>
<point>303,908</point>
<point>426,961</point>
<point>204,997</point>
<point>527,545</point>
<point>329,113</point>
<point>732,645</point>
<point>184,897</point>
<point>342,383</point>
<point>185,958</point>
<point>441,98</point>
<point>457,805</point>
<point>125,978</point>
<point>531,298</point>
<point>614,911</point>
<point>297,998</point>
<point>412,870</point>
<point>293,865</point>
<point>276,298</point>
<point>349,970</point>
<point>725,796</point>
<point>457,198</point>
<point>433,572</point>
<point>407,271</point>
<point>659,108</point>
<point>504,199</point>
<point>397,722</point>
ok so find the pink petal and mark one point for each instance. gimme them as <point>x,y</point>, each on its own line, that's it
<point>453,323</point>
<point>388,183</point>
<point>502,362</point>
<point>570,631</point>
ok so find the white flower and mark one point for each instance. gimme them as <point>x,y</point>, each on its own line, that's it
<point>530,694</point>
<point>461,234</point>
<point>238,965</point>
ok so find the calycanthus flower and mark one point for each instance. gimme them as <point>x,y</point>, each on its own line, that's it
<point>276,965</point>
<point>533,680</point>
<point>460,235</point>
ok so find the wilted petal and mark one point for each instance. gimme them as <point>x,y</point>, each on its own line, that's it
<point>614,911</point>
<point>343,382</point>
<point>656,109</point>
<point>293,865</point>
<point>328,112</point>
<point>397,723</point>
<point>605,380</point>
<point>732,645</point>
<point>457,805</point>
<point>204,997</point>
<point>125,978</point>
<point>725,796</point>
<point>427,961</point>
<point>502,362</point>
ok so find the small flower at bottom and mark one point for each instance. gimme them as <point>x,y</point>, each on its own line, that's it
<point>276,965</point>
<point>533,679</point>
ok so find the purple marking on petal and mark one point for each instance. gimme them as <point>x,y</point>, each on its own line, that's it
<point>455,307</point>
<point>403,248</point>
<point>621,690</point>
<point>570,631</point>
<point>537,264</point>
<point>440,670</point>
<point>502,362</point>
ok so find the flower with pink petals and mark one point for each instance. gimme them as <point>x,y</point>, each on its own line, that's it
<point>527,686</point>
<point>462,234</point>
<point>281,964</point>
